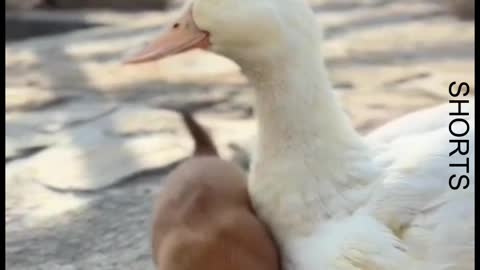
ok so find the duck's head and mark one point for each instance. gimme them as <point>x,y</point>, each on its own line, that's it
<point>243,30</point>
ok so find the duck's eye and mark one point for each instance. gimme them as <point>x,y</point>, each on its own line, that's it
<point>175,26</point>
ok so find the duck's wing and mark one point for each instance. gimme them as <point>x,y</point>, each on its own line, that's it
<point>420,122</point>
<point>415,200</point>
<point>443,231</point>
<point>417,170</point>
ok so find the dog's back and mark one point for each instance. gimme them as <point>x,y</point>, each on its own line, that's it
<point>204,219</point>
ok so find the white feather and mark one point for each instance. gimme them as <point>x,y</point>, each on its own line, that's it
<point>335,200</point>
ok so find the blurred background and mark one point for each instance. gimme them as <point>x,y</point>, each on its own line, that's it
<point>88,140</point>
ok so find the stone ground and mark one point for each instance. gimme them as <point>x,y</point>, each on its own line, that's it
<point>88,140</point>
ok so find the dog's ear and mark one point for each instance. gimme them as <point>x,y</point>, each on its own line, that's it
<point>203,143</point>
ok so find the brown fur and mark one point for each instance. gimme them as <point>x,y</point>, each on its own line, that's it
<point>204,219</point>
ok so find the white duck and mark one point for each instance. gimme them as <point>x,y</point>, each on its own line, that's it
<point>333,199</point>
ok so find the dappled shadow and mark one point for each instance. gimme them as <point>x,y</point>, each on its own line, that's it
<point>383,20</point>
<point>118,223</point>
<point>110,232</point>
<point>51,73</point>
<point>417,55</point>
<point>17,28</point>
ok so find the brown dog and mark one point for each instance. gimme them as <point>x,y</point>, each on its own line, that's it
<point>204,219</point>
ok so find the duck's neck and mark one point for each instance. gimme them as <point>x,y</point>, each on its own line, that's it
<point>306,139</point>
<point>296,105</point>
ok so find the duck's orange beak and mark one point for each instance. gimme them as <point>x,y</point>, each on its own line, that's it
<point>182,36</point>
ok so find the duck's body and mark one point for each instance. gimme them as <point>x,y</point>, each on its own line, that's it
<point>333,199</point>
<point>402,215</point>
<point>338,201</point>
